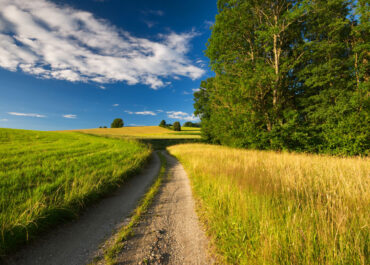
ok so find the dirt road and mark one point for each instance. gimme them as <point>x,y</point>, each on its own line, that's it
<point>170,232</point>
<point>76,243</point>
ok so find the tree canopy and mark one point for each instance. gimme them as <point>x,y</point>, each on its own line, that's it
<point>289,75</point>
<point>176,126</point>
<point>117,123</point>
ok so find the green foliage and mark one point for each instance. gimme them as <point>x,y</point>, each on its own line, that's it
<point>191,124</point>
<point>289,75</point>
<point>163,123</point>
<point>117,123</point>
<point>48,177</point>
<point>176,126</point>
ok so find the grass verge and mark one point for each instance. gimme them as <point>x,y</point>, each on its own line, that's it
<point>111,253</point>
<point>48,177</point>
<point>264,207</point>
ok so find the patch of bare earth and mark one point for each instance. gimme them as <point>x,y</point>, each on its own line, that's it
<point>170,232</point>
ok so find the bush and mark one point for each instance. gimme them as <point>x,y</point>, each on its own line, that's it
<point>176,126</point>
<point>117,123</point>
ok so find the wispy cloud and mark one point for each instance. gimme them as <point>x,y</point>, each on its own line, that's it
<point>54,41</point>
<point>34,115</point>
<point>193,90</point>
<point>146,112</point>
<point>70,116</point>
<point>153,12</point>
<point>208,24</point>
<point>149,23</point>
<point>115,105</point>
<point>179,115</point>
<point>4,120</point>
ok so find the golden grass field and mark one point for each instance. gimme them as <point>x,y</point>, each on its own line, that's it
<point>264,207</point>
<point>145,132</point>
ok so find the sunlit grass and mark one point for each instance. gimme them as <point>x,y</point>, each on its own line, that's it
<point>46,177</point>
<point>280,208</point>
<point>145,132</point>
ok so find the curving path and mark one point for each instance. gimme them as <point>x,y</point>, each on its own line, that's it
<point>170,232</point>
<point>76,243</point>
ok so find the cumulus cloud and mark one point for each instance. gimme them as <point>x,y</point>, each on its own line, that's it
<point>34,115</point>
<point>70,116</point>
<point>115,105</point>
<point>179,115</point>
<point>53,41</point>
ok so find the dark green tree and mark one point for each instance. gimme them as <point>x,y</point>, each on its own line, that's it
<point>162,123</point>
<point>117,123</point>
<point>176,126</point>
<point>289,74</point>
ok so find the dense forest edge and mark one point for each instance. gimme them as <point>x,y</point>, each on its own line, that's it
<point>289,75</point>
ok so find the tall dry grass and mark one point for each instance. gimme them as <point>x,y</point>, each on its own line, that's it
<point>265,207</point>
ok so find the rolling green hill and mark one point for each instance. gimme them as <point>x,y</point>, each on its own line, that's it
<point>46,177</point>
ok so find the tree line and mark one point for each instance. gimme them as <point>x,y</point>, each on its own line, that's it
<point>289,75</point>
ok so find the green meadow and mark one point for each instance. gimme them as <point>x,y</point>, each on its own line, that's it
<point>48,177</point>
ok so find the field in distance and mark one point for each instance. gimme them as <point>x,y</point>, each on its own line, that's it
<point>145,132</point>
<point>264,207</point>
<point>46,177</point>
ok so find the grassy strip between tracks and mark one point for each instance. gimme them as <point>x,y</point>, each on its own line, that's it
<point>111,253</point>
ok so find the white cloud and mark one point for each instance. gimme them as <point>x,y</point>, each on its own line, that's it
<point>193,91</point>
<point>179,115</point>
<point>34,115</point>
<point>115,105</point>
<point>208,24</point>
<point>54,41</point>
<point>70,116</point>
<point>4,120</point>
<point>146,112</point>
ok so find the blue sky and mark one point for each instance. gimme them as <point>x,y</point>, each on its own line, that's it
<point>80,64</point>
